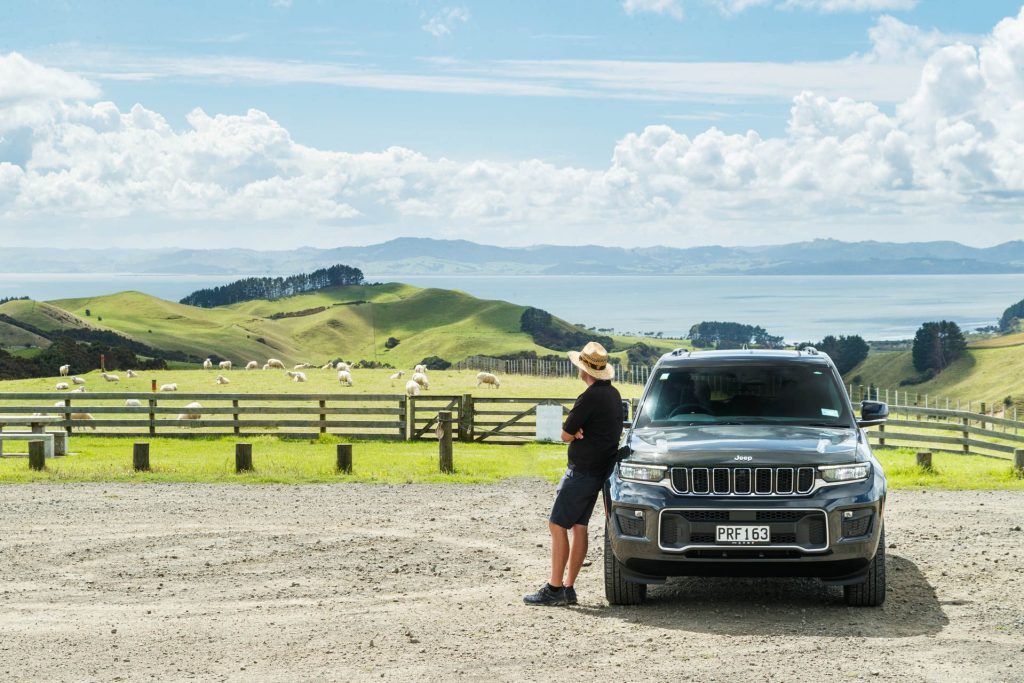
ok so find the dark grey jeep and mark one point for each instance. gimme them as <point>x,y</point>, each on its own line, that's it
<point>746,463</point>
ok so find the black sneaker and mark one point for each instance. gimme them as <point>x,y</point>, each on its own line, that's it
<point>570,595</point>
<point>546,596</point>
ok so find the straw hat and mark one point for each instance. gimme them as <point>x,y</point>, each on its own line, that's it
<point>593,360</point>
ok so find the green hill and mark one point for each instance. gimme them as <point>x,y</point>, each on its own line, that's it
<point>352,322</point>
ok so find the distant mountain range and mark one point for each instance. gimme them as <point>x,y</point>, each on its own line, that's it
<point>422,256</point>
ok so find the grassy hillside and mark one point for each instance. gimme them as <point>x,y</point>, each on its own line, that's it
<point>349,322</point>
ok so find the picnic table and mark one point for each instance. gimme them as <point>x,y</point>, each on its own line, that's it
<point>37,431</point>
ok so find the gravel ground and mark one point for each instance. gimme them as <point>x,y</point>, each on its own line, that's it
<point>424,582</point>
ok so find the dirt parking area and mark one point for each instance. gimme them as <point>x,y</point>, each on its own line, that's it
<point>424,582</point>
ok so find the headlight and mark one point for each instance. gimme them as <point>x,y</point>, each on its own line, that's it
<point>642,472</point>
<point>839,473</point>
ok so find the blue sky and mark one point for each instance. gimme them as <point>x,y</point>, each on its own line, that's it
<point>491,90</point>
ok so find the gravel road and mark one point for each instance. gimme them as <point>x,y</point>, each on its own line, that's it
<point>424,582</point>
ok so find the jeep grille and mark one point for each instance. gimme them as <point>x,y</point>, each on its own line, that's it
<point>743,481</point>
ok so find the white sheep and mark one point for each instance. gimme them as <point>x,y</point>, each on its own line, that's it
<point>132,403</point>
<point>224,365</point>
<point>412,388</point>
<point>341,365</point>
<point>61,386</point>
<point>303,366</point>
<point>65,370</point>
<point>169,387</point>
<point>79,390</point>
<point>296,376</point>
<point>488,379</point>
<point>398,375</point>
<point>207,364</point>
<point>422,369</point>
<point>193,415</point>
<point>266,366</point>
<point>77,380</point>
<point>345,377</point>
<point>221,379</point>
<point>132,374</point>
<point>251,365</point>
<point>327,366</point>
<point>110,378</point>
<point>274,363</point>
<point>421,379</point>
<point>74,416</point>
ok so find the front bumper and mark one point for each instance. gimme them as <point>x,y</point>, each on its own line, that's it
<point>656,533</point>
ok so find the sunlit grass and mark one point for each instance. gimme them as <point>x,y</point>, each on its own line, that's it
<point>949,471</point>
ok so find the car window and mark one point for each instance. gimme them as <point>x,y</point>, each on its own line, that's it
<point>790,393</point>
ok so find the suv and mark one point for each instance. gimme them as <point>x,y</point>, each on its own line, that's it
<point>746,463</point>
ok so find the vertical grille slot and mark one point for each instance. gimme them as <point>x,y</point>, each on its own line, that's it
<point>742,481</point>
<point>720,481</point>
<point>701,480</point>
<point>784,480</point>
<point>762,481</point>
<point>679,480</point>
<point>805,480</point>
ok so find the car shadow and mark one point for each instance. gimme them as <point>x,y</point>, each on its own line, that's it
<point>773,606</point>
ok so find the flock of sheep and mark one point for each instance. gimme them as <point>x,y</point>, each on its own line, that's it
<point>413,387</point>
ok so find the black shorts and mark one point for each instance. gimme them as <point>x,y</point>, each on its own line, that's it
<point>575,498</point>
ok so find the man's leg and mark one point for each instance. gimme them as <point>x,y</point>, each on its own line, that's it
<point>559,553</point>
<point>577,553</point>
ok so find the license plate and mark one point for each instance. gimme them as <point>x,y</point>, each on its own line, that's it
<point>743,535</point>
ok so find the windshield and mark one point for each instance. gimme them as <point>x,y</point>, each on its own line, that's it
<point>789,393</point>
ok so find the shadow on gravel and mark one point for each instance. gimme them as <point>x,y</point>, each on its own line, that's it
<point>795,607</point>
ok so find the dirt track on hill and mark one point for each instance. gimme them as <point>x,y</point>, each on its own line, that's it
<point>423,582</point>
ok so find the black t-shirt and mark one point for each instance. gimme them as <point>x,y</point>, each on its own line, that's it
<point>598,411</point>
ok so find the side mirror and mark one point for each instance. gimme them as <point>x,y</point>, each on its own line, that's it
<point>872,413</point>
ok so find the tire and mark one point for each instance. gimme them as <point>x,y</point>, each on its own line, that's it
<point>616,588</point>
<point>871,593</point>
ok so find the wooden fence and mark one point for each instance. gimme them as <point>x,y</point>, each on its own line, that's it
<point>955,431</point>
<point>625,373</point>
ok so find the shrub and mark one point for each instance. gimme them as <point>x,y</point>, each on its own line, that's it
<point>435,363</point>
<point>391,343</point>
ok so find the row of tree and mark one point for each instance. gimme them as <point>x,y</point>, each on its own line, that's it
<point>1011,317</point>
<point>81,356</point>
<point>270,288</point>
<point>729,335</point>
<point>546,332</point>
<point>847,352</point>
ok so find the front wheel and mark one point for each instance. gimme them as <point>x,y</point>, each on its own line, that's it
<point>616,588</point>
<point>871,593</point>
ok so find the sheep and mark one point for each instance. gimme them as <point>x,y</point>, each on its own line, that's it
<point>251,365</point>
<point>345,377</point>
<point>274,363</point>
<point>397,375</point>
<point>191,415</point>
<point>77,380</point>
<point>303,366</point>
<point>327,366</point>
<point>169,387</point>
<point>132,403</point>
<point>421,379</point>
<point>65,370</point>
<point>79,390</point>
<point>221,379</point>
<point>132,374</point>
<point>412,388</point>
<point>207,364</point>
<point>422,369</point>
<point>110,378</point>
<point>224,365</point>
<point>488,379</point>
<point>61,386</point>
<point>296,376</point>
<point>266,366</point>
<point>341,365</point>
<point>74,416</point>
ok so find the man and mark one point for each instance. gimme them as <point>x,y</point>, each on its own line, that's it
<point>592,430</point>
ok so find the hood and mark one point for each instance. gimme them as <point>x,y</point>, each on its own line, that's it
<point>765,445</point>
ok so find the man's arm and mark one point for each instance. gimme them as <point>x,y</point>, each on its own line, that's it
<point>567,437</point>
<point>572,429</point>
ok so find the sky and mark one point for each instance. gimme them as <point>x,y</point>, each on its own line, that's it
<point>273,124</point>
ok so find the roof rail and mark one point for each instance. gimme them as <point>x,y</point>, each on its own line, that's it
<point>679,352</point>
<point>811,351</point>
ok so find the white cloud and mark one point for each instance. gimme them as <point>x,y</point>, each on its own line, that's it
<point>950,155</point>
<point>670,7</point>
<point>835,6</point>
<point>442,23</point>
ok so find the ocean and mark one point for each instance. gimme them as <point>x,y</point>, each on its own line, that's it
<point>799,308</point>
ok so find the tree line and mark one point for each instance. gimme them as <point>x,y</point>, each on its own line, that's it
<point>729,335</point>
<point>271,288</point>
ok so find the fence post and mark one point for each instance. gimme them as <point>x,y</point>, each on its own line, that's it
<point>323,417</point>
<point>243,457</point>
<point>983,423</point>
<point>967,423</point>
<point>405,405</point>
<point>881,435</point>
<point>67,416</point>
<point>444,419</point>
<point>36,455</point>
<point>345,458</point>
<point>140,457</point>
<point>466,418</point>
<point>236,428</point>
<point>152,417</point>
<point>924,460</point>
<point>1018,462</point>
